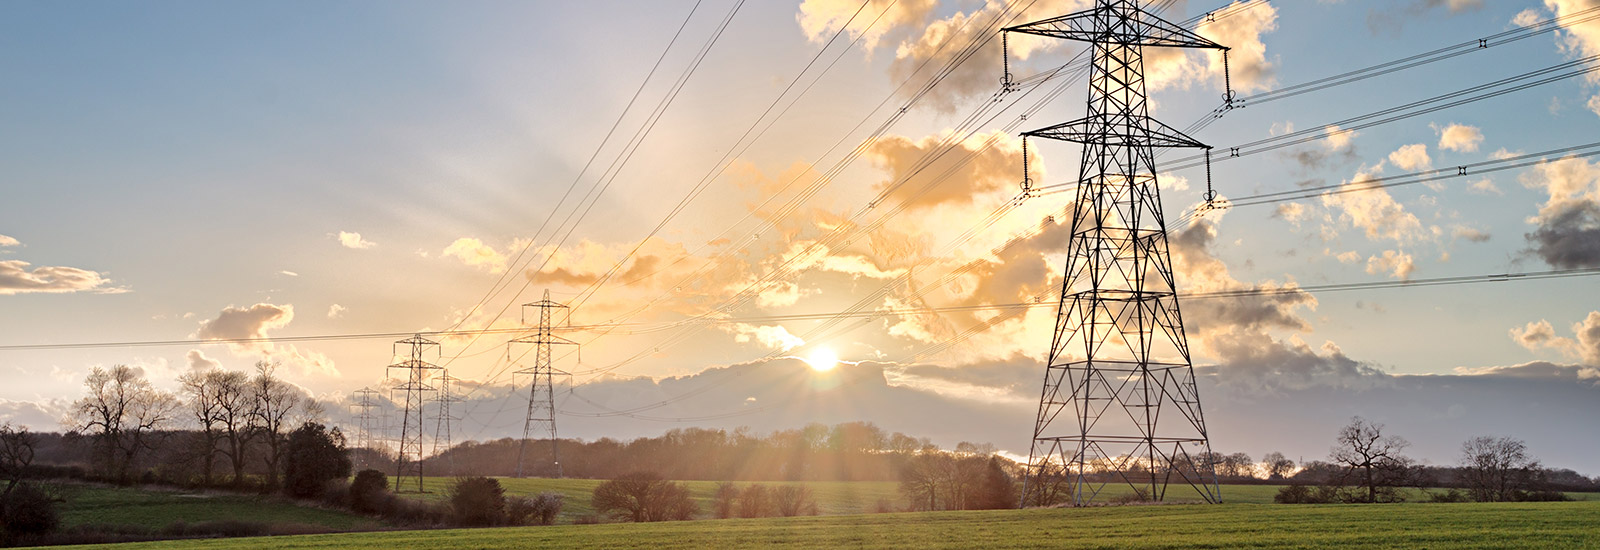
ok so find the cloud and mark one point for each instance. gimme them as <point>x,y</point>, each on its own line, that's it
<point>1568,224</point>
<point>819,19</point>
<point>246,323</point>
<point>474,253</point>
<point>1484,186</point>
<point>254,323</point>
<point>1292,212</point>
<point>1236,332</point>
<point>1470,234</point>
<point>1584,346</point>
<point>1411,157</point>
<point>354,240</point>
<point>287,273</point>
<point>1393,19</point>
<point>1375,210</point>
<point>983,164</point>
<point>17,278</point>
<point>335,311</point>
<point>1394,262</point>
<point>198,362</point>
<point>1526,18</point>
<point>6,241</point>
<point>770,336</point>
<point>1459,137</point>
<point>1337,138</point>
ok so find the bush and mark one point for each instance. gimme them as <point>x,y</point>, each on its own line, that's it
<point>883,506</point>
<point>754,502</point>
<point>476,501</point>
<point>29,511</point>
<point>723,501</point>
<point>644,496</point>
<point>1452,495</point>
<point>1302,494</point>
<point>312,457</point>
<point>1138,495</point>
<point>369,492</point>
<point>540,509</point>
<point>1542,496</point>
<point>794,500</point>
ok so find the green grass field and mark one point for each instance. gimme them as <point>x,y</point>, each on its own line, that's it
<point>833,497</point>
<point>1552,525</point>
<point>87,505</point>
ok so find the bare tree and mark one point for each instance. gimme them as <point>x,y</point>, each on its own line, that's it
<point>1235,465</point>
<point>274,401</point>
<point>16,454</point>
<point>235,406</point>
<point>1363,449</point>
<point>200,400</point>
<point>1496,469</point>
<point>1277,465</point>
<point>122,410</point>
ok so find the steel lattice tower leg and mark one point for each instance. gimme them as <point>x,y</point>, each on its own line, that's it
<point>1119,405</point>
<point>541,417</point>
<point>441,430</point>
<point>408,462</point>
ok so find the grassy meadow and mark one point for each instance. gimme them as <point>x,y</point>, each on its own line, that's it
<point>1552,525</point>
<point>96,505</point>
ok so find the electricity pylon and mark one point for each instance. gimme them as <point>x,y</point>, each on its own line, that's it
<point>364,427</point>
<point>441,431</point>
<point>1119,357</point>
<point>541,417</point>
<point>408,462</point>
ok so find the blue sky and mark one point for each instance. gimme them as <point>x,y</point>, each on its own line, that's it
<point>202,162</point>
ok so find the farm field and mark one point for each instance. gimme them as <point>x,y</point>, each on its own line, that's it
<point>833,497</point>
<point>1414,525</point>
<point>90,505</point>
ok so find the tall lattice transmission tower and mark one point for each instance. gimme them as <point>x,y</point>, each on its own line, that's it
<point>541,419</point>
<point>1119,404</point>
<point>441,430</point>
<point>416,372</point>
<point>365,400</point>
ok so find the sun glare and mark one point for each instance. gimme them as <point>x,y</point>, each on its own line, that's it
<point>823,360</point>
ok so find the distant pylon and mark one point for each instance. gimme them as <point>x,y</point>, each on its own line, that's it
<point>1119,352</point>
<point>408,461</point>
<point>541,417</point>
<point>365,422</point>
<point>441,431</point>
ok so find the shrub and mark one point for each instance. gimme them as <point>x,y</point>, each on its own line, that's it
<point>540,509</point>
<point>1542,496</point>
<point>754,502</point>
<point>313,455</point>
<point>644,496</point>
<point>1452,495</point>
<point>1302,494</point>
<point>883,506</point>
<point>476,501</point>
<point>723,501</point>
<point>793,500</point>
<point>1138,495</point>
<point>28,511</point>
<point>369,491</point>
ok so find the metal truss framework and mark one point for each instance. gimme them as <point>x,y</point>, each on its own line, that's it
<point>365,400</point>
<point>1119,358</point>
<point>441,430</point>
<point>414,387</point>
<point>541,419</point>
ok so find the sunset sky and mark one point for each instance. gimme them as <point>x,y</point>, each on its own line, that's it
<point>192,171</point>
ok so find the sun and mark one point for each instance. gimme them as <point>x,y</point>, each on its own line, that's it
<point>822,360</point>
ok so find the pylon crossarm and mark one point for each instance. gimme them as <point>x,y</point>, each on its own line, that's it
<point>1117,22</point>
<point>1118,132</point>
